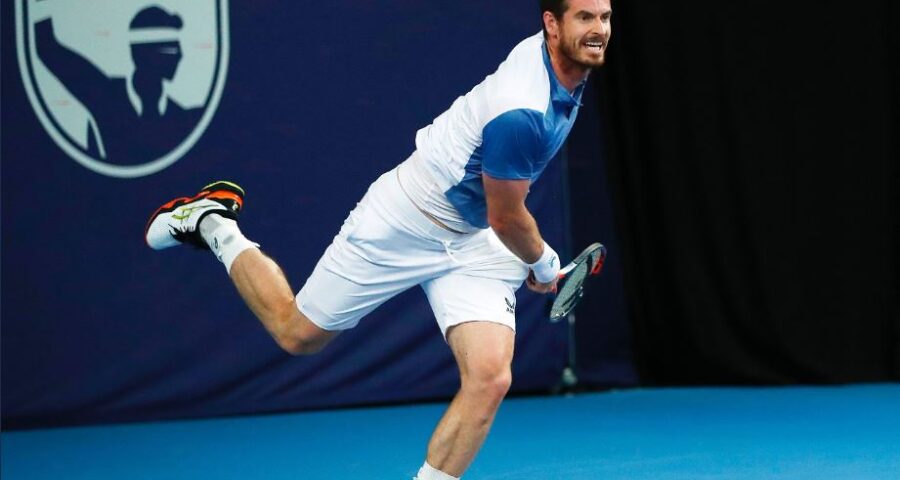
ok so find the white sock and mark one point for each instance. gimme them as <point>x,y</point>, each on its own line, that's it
<point>427,472</point>
<point>224,238</point>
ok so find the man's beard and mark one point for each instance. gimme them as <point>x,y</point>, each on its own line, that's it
<point>571,54</point>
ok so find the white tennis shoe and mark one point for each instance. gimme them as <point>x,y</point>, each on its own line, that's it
<point>178,220</point>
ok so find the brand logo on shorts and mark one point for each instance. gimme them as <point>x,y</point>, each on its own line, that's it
<point>123,87</point>
<point>510,306</point>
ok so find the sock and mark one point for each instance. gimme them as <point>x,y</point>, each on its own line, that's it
<point>427,472</point>
<point>224,238</point>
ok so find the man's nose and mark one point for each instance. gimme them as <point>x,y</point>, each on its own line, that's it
<point>600,27</point>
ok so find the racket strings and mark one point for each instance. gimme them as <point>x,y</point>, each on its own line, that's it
<point>571,291</point>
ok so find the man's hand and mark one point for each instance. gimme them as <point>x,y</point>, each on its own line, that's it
<point>538,287</point>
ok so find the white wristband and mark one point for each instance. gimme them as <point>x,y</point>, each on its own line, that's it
<point>546,268</point>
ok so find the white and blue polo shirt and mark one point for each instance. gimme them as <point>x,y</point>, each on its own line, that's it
<point>509,126</point>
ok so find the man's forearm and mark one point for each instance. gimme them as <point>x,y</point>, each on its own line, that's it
<point>519,232</point>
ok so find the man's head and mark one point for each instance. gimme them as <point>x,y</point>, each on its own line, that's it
<point>155,47</point>
<point>579,30</point>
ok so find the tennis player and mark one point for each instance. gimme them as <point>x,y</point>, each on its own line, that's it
<point>451,219</point>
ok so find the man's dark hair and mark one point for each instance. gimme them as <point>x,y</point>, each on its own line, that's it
<point>556,7</point>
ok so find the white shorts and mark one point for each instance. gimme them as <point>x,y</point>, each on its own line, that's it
<point>387,245</point>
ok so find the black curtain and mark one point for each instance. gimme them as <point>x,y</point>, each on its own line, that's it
<point>754,163</point>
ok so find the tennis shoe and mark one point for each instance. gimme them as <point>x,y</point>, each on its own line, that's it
<point>178,221</point>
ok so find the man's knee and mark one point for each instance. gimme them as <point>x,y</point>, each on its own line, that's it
<point>301,345</point>
<point>490,381</point>
<point>299,336</point>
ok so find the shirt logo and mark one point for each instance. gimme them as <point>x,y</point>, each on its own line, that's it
<point>123,87</point>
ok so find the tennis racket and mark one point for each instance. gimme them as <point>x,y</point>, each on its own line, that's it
<point>572,277</point>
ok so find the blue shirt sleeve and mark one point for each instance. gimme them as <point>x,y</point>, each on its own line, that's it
<point>511,145</point>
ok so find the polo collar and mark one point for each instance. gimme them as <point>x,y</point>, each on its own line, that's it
<point>558,92</point>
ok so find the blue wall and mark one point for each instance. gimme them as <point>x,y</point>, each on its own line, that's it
<point>318,100</point>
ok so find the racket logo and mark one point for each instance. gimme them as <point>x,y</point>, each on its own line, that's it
<point>552,261</point>
<point>123,87</point>
<point>510,306</point>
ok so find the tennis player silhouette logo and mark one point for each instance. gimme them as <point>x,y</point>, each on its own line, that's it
<point>124,87</point>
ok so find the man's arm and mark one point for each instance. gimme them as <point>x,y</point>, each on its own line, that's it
<point>80,77</point>
<point>514,225</point>
<point>510,219</point>
<point>510,149</point>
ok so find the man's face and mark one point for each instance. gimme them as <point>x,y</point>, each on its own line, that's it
<point>157,58</point>
<point>583,32</point>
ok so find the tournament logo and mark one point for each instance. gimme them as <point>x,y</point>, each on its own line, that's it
<point>124,87</point>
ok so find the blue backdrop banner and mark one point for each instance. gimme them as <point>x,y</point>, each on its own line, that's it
<point>304,104</point>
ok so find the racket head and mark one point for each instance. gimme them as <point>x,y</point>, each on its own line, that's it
<point>572,276</point>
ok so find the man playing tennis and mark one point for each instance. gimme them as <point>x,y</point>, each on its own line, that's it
<point>451,218</point>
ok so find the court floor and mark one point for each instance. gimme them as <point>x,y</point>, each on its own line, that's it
<point>850,433</point>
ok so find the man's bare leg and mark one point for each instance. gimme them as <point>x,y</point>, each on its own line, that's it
<point>266,291</point>
<point>484,352</point>
<point>209,220</point>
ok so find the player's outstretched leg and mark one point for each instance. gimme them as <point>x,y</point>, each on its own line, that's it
<point>483,352</point>
<point>208,220</point>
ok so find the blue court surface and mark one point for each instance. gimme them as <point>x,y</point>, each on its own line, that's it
<point>850,432</point>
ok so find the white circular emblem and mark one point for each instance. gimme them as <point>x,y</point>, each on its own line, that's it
<point>124,87</point>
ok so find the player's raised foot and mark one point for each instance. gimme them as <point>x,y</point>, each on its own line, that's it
<point>178,221</point>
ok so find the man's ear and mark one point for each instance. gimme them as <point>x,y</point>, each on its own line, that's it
<point>551,24</point>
